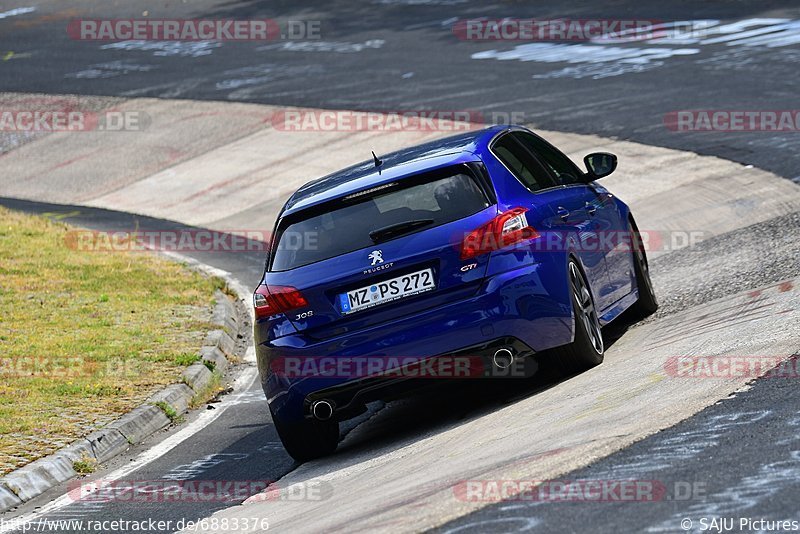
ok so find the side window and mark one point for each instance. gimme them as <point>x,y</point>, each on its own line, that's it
<point>521,163</point>
<point>559,164</point>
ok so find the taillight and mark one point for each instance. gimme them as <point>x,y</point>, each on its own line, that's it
<point>276,299</point>
<point>504,230</point>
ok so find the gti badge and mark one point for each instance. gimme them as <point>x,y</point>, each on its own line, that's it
<point>376,256</point>
<point>468,267</point>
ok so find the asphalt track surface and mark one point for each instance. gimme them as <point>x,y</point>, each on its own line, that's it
<point>742,451</point>
<point>397,55</point>
<point>737,459</point>
<point>755,430</point>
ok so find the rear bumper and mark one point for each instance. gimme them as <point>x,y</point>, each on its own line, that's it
<point>349,398</point>
<point>517,306</point>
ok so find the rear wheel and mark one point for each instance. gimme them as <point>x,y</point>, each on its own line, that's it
<point>647,303</point>
<point>307,439</point>
<point>586,350</point>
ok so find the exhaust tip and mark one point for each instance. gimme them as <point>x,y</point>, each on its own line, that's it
<point>322,410</point>
<point>503,358</point>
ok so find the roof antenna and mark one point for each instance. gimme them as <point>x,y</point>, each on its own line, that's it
<point>378,162</point>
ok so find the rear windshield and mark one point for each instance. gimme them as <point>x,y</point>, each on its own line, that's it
<point>345,226</point>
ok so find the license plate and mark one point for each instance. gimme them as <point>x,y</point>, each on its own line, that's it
<point>387,291</point>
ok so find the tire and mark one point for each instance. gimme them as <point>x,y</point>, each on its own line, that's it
<point>308,439</point>
<point>647,303</point>
<point>586,349</point>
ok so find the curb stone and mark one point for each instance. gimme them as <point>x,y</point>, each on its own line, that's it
<point>216,357</point>
<point>39,476</point>
<point>8,499</point>
<point>177,396</point>
<point>107,443</point>
<point>225,313</point>
<point>140,423</point>
<point>197,376</point>
<point>219,339</point>
<point>30,481</point>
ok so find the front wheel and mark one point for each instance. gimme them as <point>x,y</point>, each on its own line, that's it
<point>586,350</point>
<point>307,439</point>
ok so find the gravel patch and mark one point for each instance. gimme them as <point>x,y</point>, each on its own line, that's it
<point>747,258</point>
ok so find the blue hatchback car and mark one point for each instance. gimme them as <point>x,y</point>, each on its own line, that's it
<point>491,245</point>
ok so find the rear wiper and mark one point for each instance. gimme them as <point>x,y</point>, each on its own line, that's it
<point>387,232</point>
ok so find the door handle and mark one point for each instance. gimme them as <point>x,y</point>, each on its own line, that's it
<point>563,213</point>
<point>591,208</point>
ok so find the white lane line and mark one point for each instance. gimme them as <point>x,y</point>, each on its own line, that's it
<point>207,417</point>
<point>17,11</point>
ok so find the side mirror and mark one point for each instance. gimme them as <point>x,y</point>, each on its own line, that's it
<point>600,164</point>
